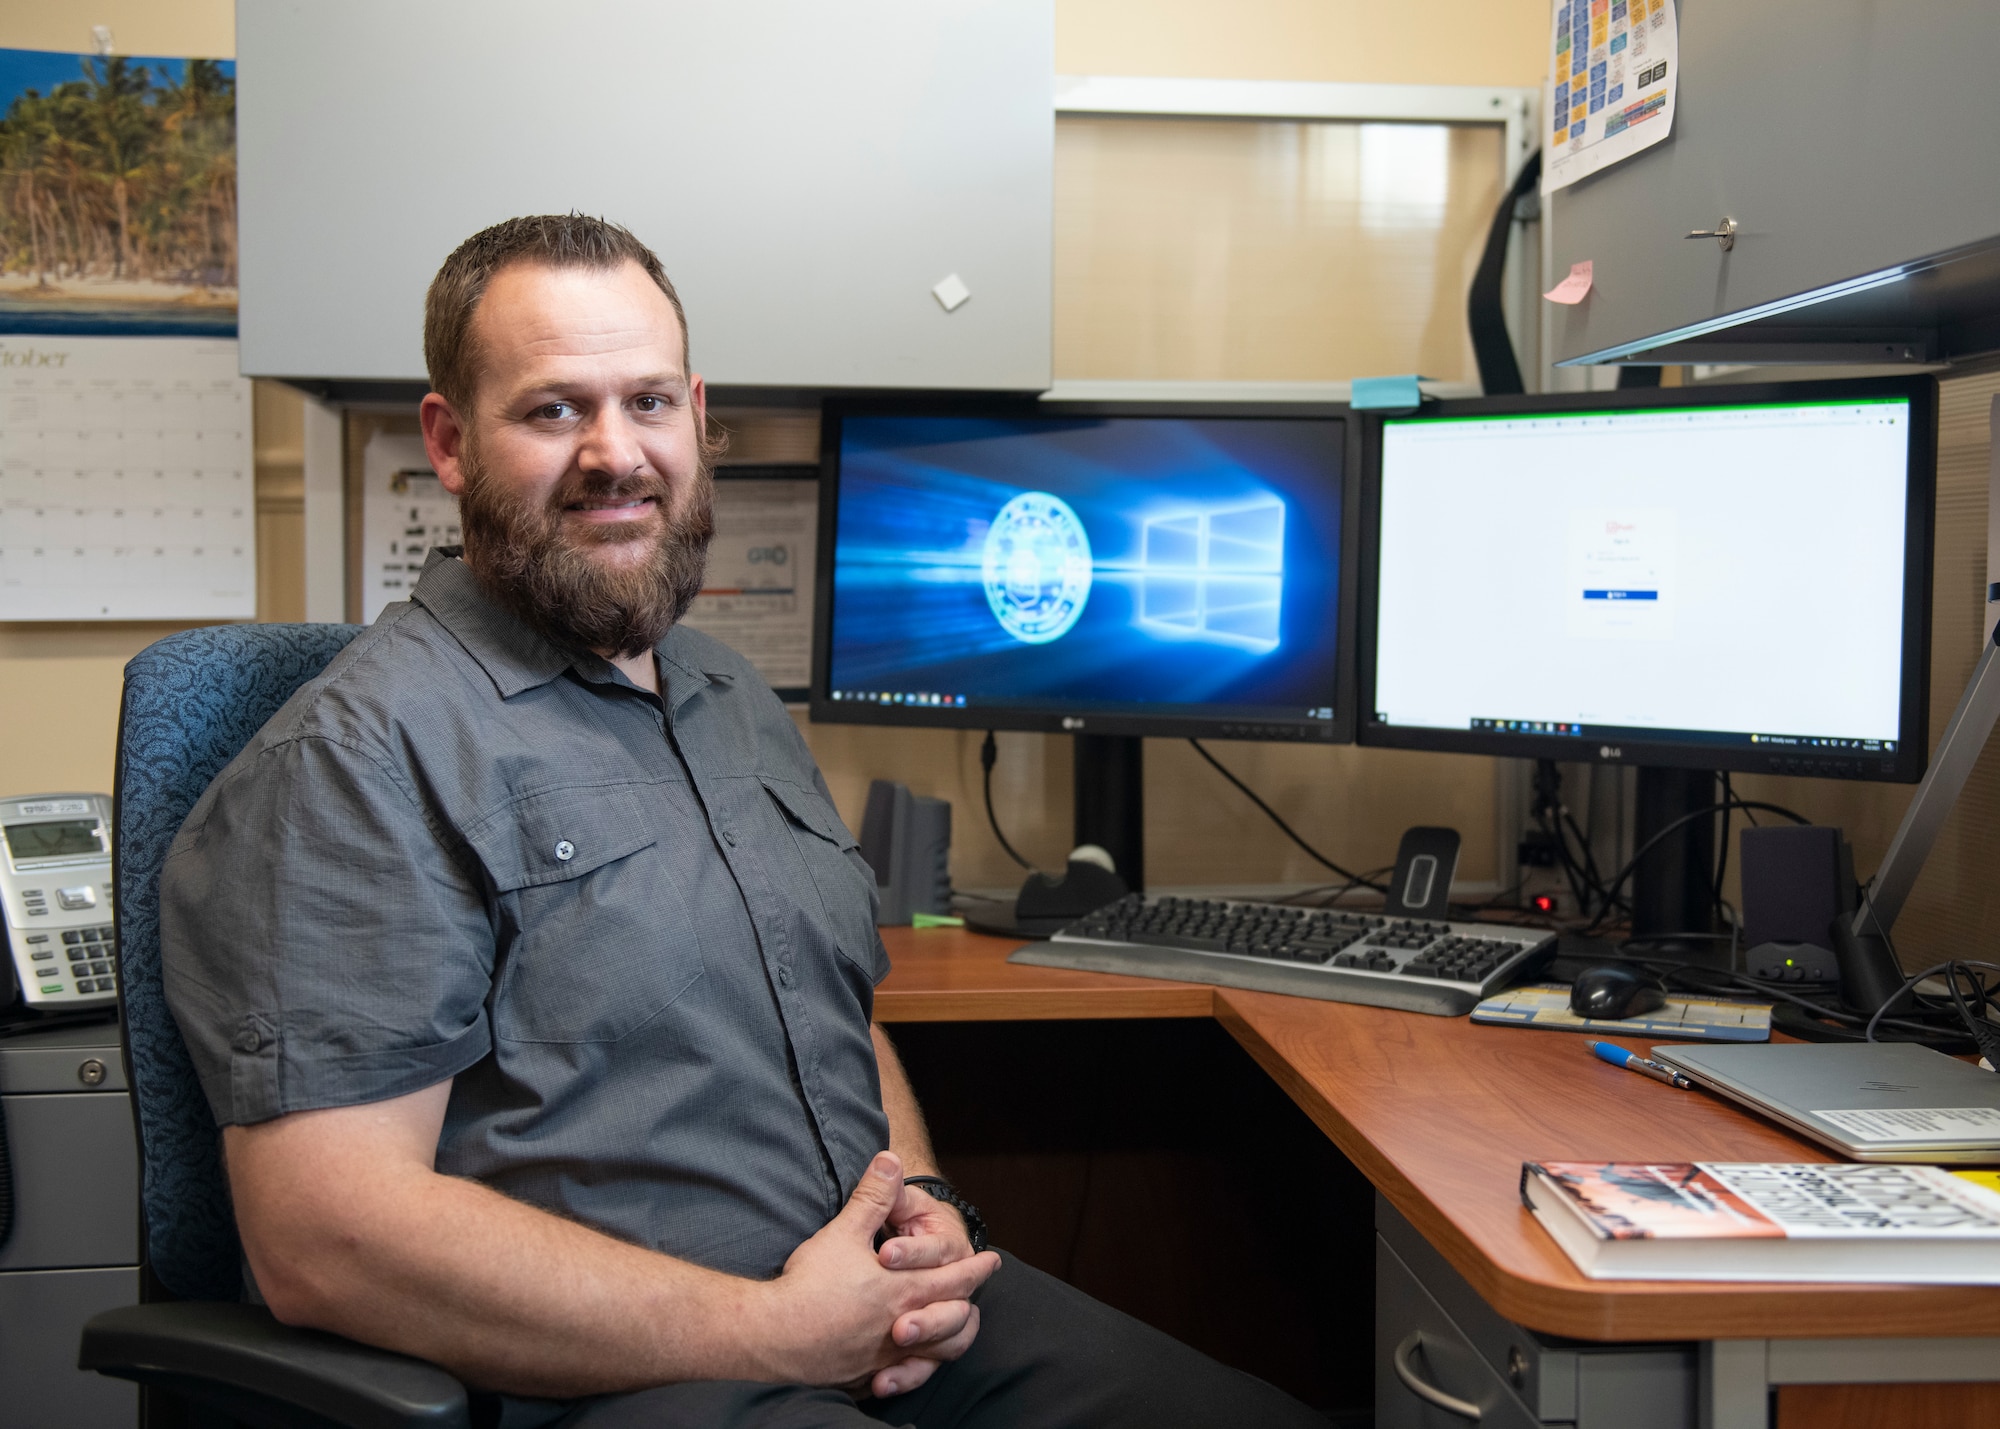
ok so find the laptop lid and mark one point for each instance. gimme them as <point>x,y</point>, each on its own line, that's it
<point>1871,1101</point>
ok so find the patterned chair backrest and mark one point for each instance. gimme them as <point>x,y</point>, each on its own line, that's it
<point>192,701</point>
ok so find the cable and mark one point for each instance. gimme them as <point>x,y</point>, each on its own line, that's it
<point>1290,833</point>
<point>989,755</point>
<point>1983,1034</point>
<point>1340,890</point>
<point>1669,827</point>
<point>1722,854</point>
<point>1552,815</point>
<point>1707,979</point>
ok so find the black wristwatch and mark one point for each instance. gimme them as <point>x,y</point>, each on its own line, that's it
<point>939,1189</point>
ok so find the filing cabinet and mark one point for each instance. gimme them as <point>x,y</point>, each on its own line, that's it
<point>74,1247</point>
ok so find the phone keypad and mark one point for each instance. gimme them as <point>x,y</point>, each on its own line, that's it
<point>93,958</point>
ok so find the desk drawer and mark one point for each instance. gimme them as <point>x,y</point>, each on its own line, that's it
<point>1465,1341</point>
<point>76,1181</point>
<point>1410,1326</point>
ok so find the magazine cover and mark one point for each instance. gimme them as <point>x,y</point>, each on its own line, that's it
<point>1625,1200</point>
<point>1629,1200</point>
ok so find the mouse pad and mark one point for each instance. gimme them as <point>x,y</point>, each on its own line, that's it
<point>1685,1017</point>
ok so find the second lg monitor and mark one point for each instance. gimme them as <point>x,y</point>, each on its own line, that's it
<point>1712,578</point>
<point>1116,569</point>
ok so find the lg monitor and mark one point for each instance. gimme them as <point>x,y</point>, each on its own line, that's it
<point>1707,578</point>
<point>1100,569</point>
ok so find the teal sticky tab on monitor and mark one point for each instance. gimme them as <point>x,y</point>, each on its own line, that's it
<point>1395,393</point>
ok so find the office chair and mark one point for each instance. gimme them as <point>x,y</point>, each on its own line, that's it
<point>192,701</point>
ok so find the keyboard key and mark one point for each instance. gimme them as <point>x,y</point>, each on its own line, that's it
<point>1197,942</point>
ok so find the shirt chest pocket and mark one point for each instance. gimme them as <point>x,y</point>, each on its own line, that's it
<point>596,936</point>
<point>838,884</point>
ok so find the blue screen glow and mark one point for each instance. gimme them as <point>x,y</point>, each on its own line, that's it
<point>1181,564</point>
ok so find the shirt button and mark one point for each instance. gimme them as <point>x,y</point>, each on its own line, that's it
<point>784,977</point>
<point>729,838</point>
<point>249,1039</point>
<point>565,850</point>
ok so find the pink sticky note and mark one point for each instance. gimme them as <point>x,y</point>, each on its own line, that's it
<point>1573,289</point>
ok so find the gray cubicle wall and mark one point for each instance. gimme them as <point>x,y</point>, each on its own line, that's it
<point>806,171</point>
<point>1845,137</point>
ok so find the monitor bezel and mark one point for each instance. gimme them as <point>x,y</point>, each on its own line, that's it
<point>1913,742</point>
<point>1053,717</point>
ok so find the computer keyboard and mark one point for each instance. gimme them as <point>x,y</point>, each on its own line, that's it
<point>1412,964</point>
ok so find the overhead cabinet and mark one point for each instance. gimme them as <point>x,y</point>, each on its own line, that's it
<point>808,173</point>
<point>1850,144</point>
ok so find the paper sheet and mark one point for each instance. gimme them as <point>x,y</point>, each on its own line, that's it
<point>758,598</point>
<point>1614,69</point>
<point>1690,1019</point>
<point>404,512</point>
<point>126,480</point>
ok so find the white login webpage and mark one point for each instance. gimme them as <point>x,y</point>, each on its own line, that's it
<point>1733,569</point>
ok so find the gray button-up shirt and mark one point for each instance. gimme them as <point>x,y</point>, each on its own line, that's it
<point>634,931</point>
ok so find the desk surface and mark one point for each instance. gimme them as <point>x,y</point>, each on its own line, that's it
<point>1439,1114</point>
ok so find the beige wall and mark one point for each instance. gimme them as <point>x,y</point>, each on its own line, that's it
<point>1355,41</point>
<point>202,29</point>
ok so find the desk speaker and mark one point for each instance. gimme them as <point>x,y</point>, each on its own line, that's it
<point>1797,878</point>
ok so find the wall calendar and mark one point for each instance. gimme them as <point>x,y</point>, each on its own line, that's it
<point>127,489</point>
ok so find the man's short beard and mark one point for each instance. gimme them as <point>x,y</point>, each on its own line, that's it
<point>545,570</point>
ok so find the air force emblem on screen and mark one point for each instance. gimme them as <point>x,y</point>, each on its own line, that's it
<point>1217,576</point>
<point>1036,567</point>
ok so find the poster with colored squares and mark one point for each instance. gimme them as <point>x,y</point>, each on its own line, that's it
<point>1613,70</point>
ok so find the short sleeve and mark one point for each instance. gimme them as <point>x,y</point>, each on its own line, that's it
<point>321,943</point>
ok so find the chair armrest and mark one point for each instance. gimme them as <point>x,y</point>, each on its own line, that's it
<point>240,1360</point>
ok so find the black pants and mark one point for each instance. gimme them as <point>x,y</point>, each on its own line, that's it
<point>1046,1356</point>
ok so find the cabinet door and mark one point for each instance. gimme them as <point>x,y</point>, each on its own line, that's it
<point>806,172</point>
<point>42,1314</point>
<point>1843,136</point>
<point>76,1181</point>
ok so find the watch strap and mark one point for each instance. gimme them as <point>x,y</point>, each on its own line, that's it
<point>939,1189</point>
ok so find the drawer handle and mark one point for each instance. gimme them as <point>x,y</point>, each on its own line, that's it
<point>1407,1372</point>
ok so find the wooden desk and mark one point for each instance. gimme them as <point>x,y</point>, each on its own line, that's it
<point>1439,1114</point>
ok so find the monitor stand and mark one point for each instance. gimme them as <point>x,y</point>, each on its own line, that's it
<point>1111,800</point>
<point>1673,886</point>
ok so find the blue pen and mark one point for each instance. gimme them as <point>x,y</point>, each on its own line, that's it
<point>1632,1062</point>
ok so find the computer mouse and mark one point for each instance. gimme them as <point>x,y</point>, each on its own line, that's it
<point>1613,990</point>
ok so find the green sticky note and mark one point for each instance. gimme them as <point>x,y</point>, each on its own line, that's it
<point>935,920</point>
<point>1386,393</point>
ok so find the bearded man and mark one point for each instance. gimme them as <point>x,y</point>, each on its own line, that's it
<point>528,967</point>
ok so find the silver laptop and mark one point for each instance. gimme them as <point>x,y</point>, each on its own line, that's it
<point>1871,1101</point>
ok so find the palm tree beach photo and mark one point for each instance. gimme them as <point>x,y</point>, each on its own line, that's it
<point>117,195</point>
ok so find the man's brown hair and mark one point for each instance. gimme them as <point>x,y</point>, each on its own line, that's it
<point>570,240</point>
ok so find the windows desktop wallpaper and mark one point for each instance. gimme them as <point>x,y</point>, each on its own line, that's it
<point>1088,561</point>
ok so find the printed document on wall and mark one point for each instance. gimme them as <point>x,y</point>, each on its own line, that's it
<point>126,480</point>
<point>405,511</point>
<point>1614,66</point>
<point>758,595</point>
